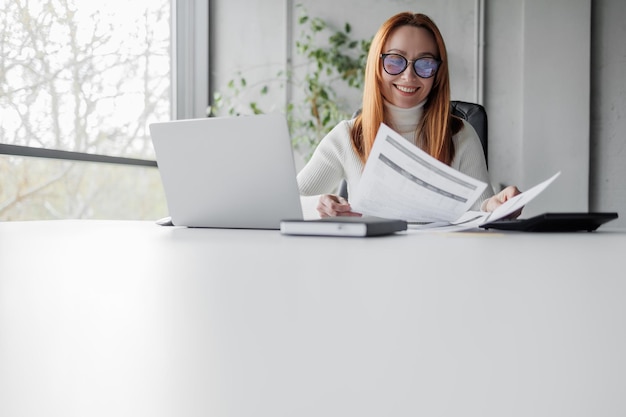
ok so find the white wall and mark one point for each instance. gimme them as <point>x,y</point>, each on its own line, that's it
<point>608,108</point>
<point>538,102</point>
<point>555,110</point>
<point>504,89</point>
<point>256,39</point>
<point>251,40</point>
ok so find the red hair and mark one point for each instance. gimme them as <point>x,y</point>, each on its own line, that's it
<point>437,126</point>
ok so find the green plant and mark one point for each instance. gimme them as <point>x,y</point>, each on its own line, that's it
<point>333,59</point>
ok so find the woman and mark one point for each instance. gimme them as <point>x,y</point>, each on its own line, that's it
<point>407,86</point>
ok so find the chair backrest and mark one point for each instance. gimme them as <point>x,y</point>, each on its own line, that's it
<point>474,113</point>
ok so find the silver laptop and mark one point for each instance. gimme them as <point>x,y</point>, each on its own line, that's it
<point>228,172</point>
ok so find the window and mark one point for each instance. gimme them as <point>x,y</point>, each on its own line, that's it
<point>80,81</point>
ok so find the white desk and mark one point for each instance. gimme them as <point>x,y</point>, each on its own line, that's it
<point>132,319</point>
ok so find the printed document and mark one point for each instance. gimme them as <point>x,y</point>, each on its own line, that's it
<point>400,181</point>
<point>475,219</point>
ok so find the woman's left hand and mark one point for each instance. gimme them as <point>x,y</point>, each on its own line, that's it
<point>497,200</point>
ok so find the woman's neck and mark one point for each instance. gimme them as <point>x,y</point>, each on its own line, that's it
<point>404,120</point>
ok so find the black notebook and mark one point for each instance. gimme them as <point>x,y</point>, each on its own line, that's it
<point>554,222</point>
<point>343,226</point>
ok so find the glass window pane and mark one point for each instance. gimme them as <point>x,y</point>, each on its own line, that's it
<point>55,189</point>
<point>85,76</point>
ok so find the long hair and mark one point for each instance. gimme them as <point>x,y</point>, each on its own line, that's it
<point>437,126</point>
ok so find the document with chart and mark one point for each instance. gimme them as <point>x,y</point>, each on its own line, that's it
<point>478,219</point>
<point>400,181</point>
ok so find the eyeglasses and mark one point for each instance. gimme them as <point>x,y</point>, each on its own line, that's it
<point>395,64</point>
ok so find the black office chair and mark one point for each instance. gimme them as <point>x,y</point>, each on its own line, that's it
<point>474,113</point>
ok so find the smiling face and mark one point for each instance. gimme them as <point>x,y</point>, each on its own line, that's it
<point>407,89</point>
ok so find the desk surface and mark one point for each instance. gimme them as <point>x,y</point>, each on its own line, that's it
<point>102,318</point>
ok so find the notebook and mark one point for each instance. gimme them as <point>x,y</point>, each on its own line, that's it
<point>343,226</point>
<point>227,172</point>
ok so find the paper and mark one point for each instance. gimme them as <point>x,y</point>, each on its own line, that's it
<point>400,181</point>
<point>519,201</point>
<point>475,219</point>
<point>468,221</point>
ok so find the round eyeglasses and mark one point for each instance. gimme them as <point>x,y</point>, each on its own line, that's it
<point>395,64</point>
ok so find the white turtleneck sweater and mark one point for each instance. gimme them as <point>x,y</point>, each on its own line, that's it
<point>334,158</point>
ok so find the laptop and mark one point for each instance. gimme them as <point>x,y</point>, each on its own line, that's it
<point>228,172</point>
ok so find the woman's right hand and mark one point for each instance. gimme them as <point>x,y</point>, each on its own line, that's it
<point>333,205</point>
